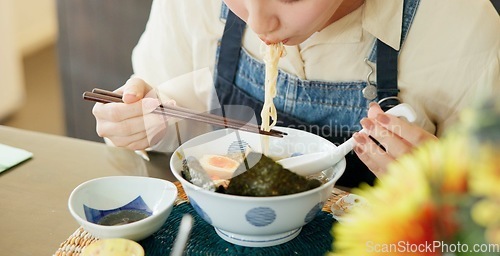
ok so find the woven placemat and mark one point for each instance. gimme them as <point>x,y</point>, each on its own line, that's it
<point>314,239</point>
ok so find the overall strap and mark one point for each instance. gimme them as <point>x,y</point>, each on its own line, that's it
<point>387,75</point>
<point>229,52</point>
<point>387,61</point>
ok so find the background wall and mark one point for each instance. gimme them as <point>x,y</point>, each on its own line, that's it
<point>51,51</point>
<point>30,95</point>
<point>95,44</point>
<point>36,24</point>
<point>10,63</point>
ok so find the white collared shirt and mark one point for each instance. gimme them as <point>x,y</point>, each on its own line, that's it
<point>450,57</point>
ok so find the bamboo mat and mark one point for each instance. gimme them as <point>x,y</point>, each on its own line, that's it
<point>77,241</point>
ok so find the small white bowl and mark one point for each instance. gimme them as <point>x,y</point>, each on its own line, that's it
<point>94,199</point>
<point>257,221</point>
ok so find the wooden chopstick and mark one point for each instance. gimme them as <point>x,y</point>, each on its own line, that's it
<point>185,110</point>
<point>211,116</point>
<point>103,96</point>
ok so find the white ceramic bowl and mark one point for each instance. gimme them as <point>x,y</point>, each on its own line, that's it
<point>257,221</point>
<point>93,199</point>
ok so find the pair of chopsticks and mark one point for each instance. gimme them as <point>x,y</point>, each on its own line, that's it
<point>103,96</point>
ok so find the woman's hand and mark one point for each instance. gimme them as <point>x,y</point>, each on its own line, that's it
<point>395,135</point>
<point>131,124</point>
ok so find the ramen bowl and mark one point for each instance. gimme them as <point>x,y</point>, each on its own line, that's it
<point>130,207</point>
<point>257,221</point>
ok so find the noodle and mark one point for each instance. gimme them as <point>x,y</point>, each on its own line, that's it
<point>271,58</point>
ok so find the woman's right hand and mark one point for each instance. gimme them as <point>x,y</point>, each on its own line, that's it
<point>131,124</point>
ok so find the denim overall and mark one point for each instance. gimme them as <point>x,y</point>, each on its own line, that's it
<point>329,109</point>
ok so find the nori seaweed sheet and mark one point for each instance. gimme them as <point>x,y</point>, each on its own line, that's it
<point>267,178</point>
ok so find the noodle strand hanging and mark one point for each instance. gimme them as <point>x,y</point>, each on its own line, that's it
<point>271,58</point>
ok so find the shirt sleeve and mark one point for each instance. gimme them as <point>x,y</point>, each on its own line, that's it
<point>163,50</point>
<point>478,75</point>
<point>169,57</point>
<point>451,65</point>
<point>487,84</point>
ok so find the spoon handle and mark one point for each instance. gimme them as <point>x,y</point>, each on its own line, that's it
<point>346,147</point>
<point>315,162</point>
<point>401,110</point>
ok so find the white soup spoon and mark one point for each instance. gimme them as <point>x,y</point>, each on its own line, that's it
<point>315,162</point>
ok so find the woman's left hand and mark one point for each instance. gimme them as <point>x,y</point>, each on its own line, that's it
<point>395,135</point>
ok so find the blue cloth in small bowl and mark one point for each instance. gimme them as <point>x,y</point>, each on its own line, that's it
<point>96,215</point>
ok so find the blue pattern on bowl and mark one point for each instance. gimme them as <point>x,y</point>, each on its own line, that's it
<point>313,212</point>
<point>260,216</point>
<point>237,146</point>
<point>95,215</point>
<point>200,211</point>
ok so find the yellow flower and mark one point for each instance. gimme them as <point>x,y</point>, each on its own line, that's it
<point>445,165</point>
<point>401,216</point>
<point>410,207</point>
<point>485,183</point>
<point>480,126</point>
<point>443,191</point>
<point>493,234</point>
<point>485,212</point>
<point>485,171</point>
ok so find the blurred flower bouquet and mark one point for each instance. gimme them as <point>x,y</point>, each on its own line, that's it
<point>443,199</point>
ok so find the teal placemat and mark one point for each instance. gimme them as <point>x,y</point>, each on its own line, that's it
<point>314,239</point>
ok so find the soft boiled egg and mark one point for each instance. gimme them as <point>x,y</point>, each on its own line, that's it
<point>219,167</point>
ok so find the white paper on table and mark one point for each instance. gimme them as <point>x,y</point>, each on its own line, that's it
<point>11,156</point>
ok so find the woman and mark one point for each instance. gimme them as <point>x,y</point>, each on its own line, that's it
<point>342,55</point>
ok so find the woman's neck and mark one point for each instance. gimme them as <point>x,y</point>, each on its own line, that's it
<point>346,7</point>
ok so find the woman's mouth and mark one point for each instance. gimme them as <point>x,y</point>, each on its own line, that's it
<point>268,42</point>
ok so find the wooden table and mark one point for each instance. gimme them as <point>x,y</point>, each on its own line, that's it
<point>34,217</point>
